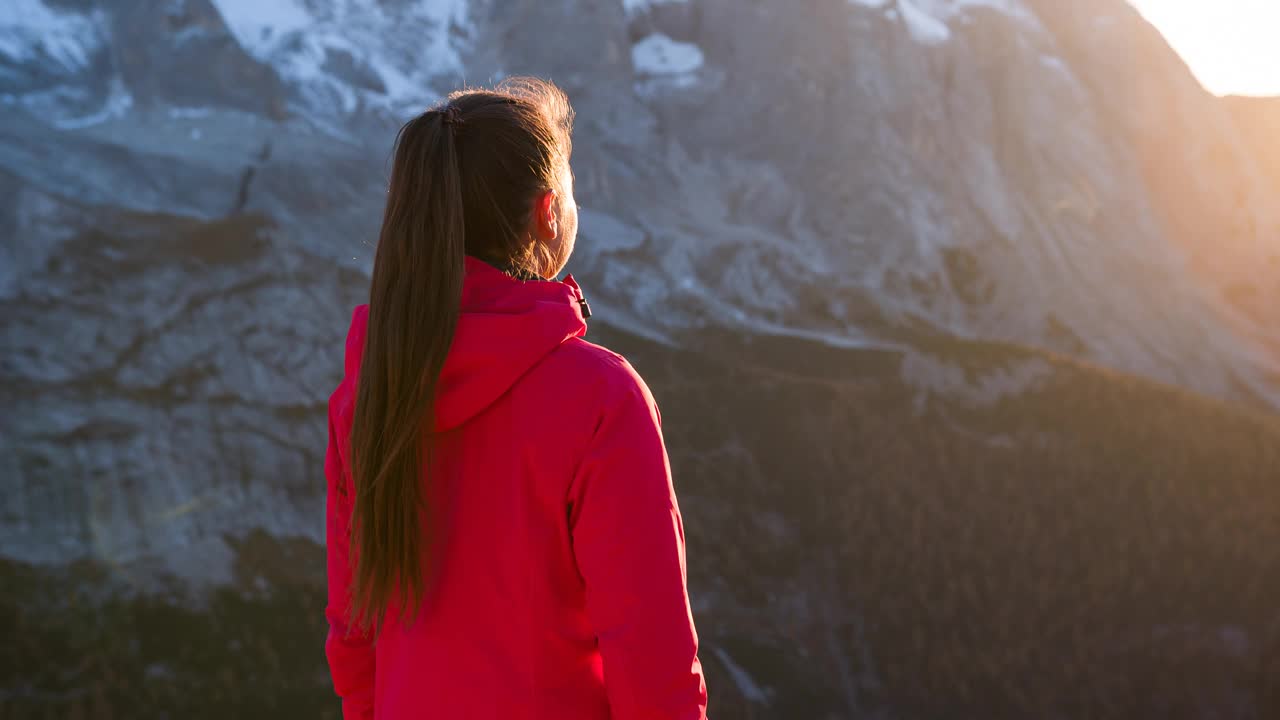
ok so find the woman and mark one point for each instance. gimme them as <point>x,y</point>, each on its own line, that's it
<point>503,536</point>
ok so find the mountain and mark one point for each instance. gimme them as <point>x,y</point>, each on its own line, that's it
<point>988,169</point>
<point>961,314</point>
<point>1259,121</point>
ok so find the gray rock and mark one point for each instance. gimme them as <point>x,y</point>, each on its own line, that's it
<point>829,236</point>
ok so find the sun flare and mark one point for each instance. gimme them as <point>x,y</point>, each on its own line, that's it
<point>1233,46</point>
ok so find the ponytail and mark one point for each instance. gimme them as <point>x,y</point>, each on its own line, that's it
<point>414,302</point>
<point>463,180</point>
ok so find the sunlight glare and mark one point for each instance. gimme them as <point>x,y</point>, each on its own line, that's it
<point>1233,46</point>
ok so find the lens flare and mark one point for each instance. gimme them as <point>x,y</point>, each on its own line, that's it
<point>1233,46</point>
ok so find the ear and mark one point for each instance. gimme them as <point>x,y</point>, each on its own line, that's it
<point>546,221</point>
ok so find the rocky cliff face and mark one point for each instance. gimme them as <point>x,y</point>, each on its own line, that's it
<point>1259,121</point>
<point>893,269</point>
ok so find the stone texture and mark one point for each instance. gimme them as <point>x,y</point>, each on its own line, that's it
<point>966,349</point>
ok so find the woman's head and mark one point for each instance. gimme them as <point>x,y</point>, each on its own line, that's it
<point>511,146</point>
<point>485,173</point>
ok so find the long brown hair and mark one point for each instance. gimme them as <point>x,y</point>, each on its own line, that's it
<point>464,179</point>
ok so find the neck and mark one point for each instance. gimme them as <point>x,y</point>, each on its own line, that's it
<point>509,269</point>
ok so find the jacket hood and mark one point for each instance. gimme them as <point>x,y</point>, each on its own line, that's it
<point>506,327</point>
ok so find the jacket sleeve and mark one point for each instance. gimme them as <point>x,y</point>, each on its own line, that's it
<point>350,653</point>
<point>628,539</point>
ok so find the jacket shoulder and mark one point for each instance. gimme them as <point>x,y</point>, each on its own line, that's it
<point>597,364</point>
<point>607,381</point>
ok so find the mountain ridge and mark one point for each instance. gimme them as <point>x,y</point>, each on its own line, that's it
<point>940,185</point>
<point>960,315</point>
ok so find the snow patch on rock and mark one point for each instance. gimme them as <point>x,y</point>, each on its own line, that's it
<point>30,31</point>
<point>925,27</point>
<point>639,7</point>
<point>118,102</point>
<point>401,50</point>
<point>929,21</point>
<point>659,55</point>
<point>258,26</point>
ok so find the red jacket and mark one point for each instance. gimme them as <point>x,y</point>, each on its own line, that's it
<point>561,590</point>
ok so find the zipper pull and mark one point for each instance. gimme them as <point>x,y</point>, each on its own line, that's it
<point>577,294</point>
